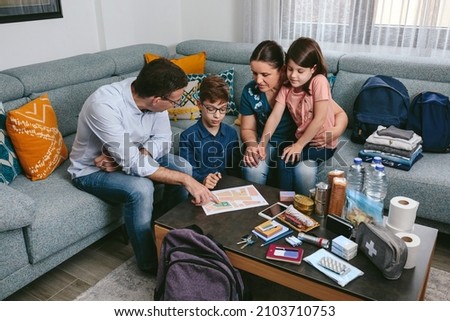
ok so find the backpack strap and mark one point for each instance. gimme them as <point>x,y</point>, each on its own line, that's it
<point>195,228</point>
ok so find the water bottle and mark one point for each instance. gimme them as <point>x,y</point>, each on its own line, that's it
<point>375,161</point>
<point>355,175</point>
<point>376,186</point>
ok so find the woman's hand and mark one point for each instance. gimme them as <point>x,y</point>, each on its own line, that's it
<point>251,156</point>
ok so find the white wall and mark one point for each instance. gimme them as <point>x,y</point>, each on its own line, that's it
<point>212,20</point>
<point>36,41</point>
<point>127,22</point>
<point>93,25</point>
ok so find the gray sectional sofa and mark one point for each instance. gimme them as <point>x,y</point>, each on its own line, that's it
<point>428,181</point>
<point>43,223</point>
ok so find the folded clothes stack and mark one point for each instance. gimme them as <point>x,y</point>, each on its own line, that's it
<point>398,148</point>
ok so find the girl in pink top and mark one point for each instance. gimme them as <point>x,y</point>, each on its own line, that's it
<point>307,95</point>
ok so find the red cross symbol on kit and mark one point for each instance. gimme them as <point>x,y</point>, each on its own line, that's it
<point>371,248</point>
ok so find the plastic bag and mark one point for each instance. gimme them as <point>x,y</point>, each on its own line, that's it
<point>361,208</point>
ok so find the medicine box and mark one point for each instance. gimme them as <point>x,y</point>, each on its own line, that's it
<point>344,247</point>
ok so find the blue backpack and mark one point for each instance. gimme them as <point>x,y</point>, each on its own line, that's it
<point>382,100</point>
<point>429,117</point>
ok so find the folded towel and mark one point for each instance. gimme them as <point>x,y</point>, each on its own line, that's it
<point>395,132</point>
<point>394,142</point>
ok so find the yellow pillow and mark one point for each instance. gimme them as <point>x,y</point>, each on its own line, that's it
<point>193,64</point>
<point>33,129</point>
<point>237,121</point>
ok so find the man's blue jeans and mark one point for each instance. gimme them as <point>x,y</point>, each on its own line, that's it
<point>136,195</point>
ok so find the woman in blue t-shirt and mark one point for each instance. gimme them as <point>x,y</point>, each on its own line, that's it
<point>258,98</point>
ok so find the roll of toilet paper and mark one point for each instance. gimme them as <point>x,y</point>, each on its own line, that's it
<point>402,214</point>
<point>413,244</point>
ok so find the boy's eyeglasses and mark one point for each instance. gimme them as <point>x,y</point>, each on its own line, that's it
<point>174,103</point>
<point>213,110</point>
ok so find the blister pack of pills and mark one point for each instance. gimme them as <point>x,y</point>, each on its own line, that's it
<point>334,265</point>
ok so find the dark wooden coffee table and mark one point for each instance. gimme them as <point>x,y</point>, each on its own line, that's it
<point>227,228</point>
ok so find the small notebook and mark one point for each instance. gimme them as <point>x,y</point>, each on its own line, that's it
<point>268,228</point>
<point>274,236</point>
<point>284,253</point>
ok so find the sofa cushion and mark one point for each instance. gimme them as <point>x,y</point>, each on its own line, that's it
<point>16,103</point>
<point>68,101</point>
<point>64,214</point>
<point>16,209</point>
<point>192,64</point>
<point>128,59</point>
<point>33,129</point>
<point>13,254</point>
<point>11,87</point>
<point>48,75</point>
<point>9,163</point>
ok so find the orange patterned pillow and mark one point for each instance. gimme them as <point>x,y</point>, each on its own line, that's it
<point>193,64</point>
<point>33,129</point>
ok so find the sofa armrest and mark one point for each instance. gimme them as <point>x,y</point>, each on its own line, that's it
<point>16,209</point>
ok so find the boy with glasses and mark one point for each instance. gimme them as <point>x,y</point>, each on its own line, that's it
<point>210,146</point>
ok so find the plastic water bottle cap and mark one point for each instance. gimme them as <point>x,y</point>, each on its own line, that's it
<point>377,159</point>
<point>357,160</point>
<point>380,167</point>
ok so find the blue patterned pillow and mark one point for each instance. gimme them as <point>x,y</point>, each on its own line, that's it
<point>228,75</point>
<point>9,163</point>
<point>331,79</point>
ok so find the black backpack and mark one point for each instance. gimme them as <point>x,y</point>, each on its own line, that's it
<point>193,267</point>
<point>429,117</point>
<point>382,100</point>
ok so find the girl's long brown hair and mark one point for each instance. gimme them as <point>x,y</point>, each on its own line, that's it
<point>306,53</point>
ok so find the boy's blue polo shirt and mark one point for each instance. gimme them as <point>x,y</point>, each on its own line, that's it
<point>208,153</point>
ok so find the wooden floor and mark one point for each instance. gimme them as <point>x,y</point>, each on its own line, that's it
<point>79,273</point>
<point>76,275</point>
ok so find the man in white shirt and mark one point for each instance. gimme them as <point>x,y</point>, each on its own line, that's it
<point>122,148</point>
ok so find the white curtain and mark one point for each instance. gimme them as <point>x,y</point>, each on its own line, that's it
<point>406,27</point>
<point>261,20</point>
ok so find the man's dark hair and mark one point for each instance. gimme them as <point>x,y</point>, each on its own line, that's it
<point>159,78</point>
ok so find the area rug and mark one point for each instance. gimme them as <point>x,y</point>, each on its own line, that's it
<point>125,283</point>
<point>128,283</point>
